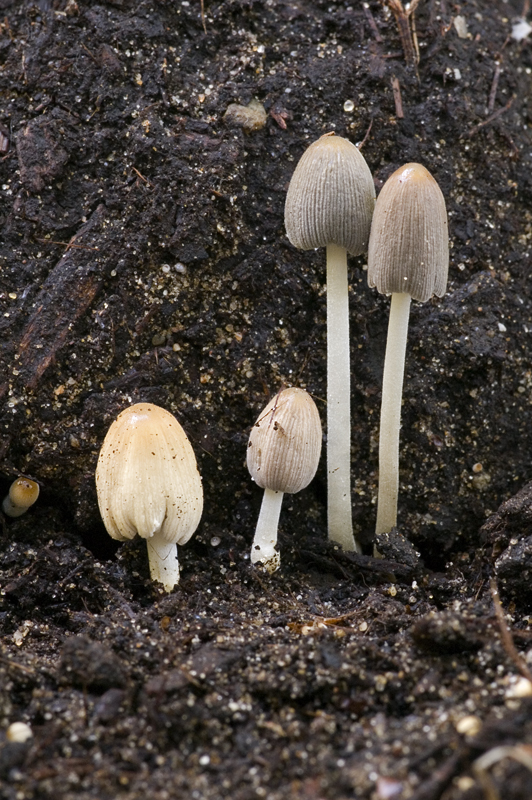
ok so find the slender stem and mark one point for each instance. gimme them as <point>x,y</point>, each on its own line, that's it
<point>164,566</point>
<point>263,547</point>
<point>338,402</point>
<point>392,390</point>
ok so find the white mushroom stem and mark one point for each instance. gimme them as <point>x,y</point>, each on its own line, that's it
<point>338,402</point>
<point>265,539</point>
<point>162,556</point>
<point>392,390</point>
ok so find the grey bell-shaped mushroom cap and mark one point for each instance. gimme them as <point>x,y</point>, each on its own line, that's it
<point>285,443</point>
<point>147,479</point>
<point>409,242</point>
<point>331,197</point>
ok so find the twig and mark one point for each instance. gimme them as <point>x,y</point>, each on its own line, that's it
<point>146,181</point>
<point>9,663</point>
<point>494,85</point>
<point>496,76</point>
<point>506,636</point>
<point>414,34</point>
<point>279,117</point>
<point>202,12</point>
<point>433,788</point>
<point>366,135</point>
<point>489,119</point>
<point>68,245</point>
<point>371,22</point>
<point>402,17</point>
<point>146,319</point>
<point>396,86</point>
<point>91,54</point>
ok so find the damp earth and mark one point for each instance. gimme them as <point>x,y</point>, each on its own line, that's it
<point>146,148</point>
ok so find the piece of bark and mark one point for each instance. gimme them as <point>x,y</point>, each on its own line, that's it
<point>67,293</point>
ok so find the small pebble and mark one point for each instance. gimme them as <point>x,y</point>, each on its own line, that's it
<point>250,118</point>
<point>388,789</point>
<point>460,25</point>
<point>468,726</point>
<point>19,732</point>
<point>520,30</point>
<point>521,688</point>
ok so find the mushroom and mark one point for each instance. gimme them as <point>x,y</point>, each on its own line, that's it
<point>408,256</point>
<point>148,483</point>
<point>283,453</point>
<point>22,494</point>
<point>329,204</point>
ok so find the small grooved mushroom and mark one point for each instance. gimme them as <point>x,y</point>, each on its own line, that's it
<point>330,203</point>
<point>148,483</point>
<point>408,256</point>
<point>23,493</point>
<point>283,454</point>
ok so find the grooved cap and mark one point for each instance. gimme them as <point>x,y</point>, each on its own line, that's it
<point>409,242</point>
<point>147,479</point>
<point>285,443</point>
<point>331,197</point>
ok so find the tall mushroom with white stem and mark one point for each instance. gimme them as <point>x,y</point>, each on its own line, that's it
<point>329,204</point>
<point>148,483</point>
<point>408,257</point>
<point>283,454</point>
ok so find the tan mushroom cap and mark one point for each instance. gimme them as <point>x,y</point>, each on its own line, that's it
<point>409,242</point>
<point>285,443</point>
<point>147,479</point>
<point>23,492</point>
<point>331,197</point>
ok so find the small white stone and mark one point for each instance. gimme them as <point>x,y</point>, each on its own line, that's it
<point>520,30</point>
<point>460,26</point>
<point>19,732</point>
<point>468,726</point>
<point>521,688</point>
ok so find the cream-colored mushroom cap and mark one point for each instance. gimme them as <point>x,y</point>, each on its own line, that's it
<point>285,443</point>
<point>331,197</point>
<point>147,479</point>
<point>409,242</point>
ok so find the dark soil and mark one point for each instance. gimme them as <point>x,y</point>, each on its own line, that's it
<point>143,258</point>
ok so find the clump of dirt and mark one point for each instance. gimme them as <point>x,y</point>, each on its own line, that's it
<point>143,258</point>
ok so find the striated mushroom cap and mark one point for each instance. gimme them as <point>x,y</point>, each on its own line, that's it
<point>147,479</point>
<point>409,242</point>
<point>285,443</point>
<point>331,197</point>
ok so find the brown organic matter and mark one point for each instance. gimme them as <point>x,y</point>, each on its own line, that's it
<point>143,259</point>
